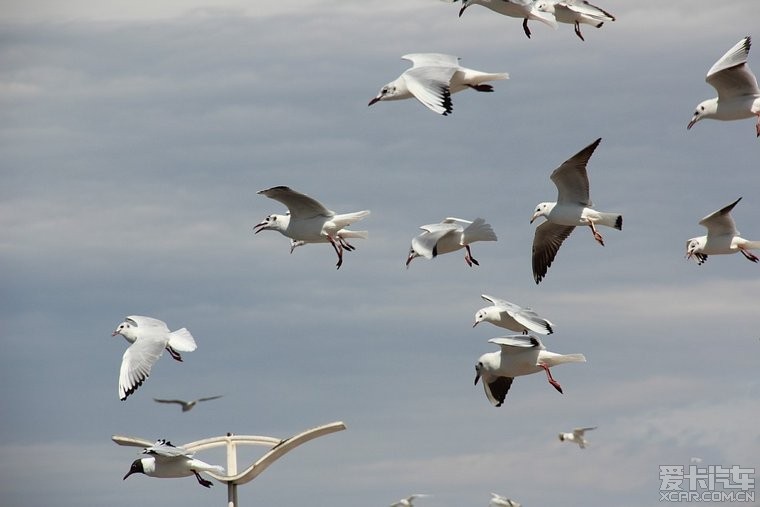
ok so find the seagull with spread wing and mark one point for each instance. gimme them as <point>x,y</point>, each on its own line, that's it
<point>187,405</point>
<point>721,238</point>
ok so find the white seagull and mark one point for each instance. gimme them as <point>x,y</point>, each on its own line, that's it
<point>502,501</point>
<point>308,221</point>
<point>576,436</point>
<point>432,79</point>
<point>575,12</point>
<point>408,501</point>
<point>148,337</point>
<point>525,9</point>
<point>738,93</point>
<point>519,355</point>
<point>187,405</point>
<point>168,461</point>
<point>722,237</point>
<point>511,316</point>
<point>448,236</point>
<point>573,208</point>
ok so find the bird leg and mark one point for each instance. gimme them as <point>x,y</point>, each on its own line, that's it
<point>597,236</point>
<point>175,355</point>
<point>345,244</point>
<point>468,258</point>
<point>757,126</point>
<point>749,255</point>
<point>338,250</point>
<point>525,27</point>
<point>203,482</point>
<point>550,378</point>
<point>578,31</point>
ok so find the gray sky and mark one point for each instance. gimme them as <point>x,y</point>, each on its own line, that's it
<point>134,137</point>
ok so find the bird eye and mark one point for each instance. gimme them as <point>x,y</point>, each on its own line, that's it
<point>702,108</point>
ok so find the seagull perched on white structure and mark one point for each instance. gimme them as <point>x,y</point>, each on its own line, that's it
<point>722,237</point>
<point>511,316</point>
<point>575,12</point>
<point>148,337</point>
<point>308,221</point>
<point>573,208</point>
<point>168,461</point>
<point>450,235</point>
<point>576,436</point>
<point>187,405</point>
<point>519,355</point>
<point>408,501</point>
<point>525,9</point>
<point>433,78</point>
<point>502,501</point>
<point>738,93</point>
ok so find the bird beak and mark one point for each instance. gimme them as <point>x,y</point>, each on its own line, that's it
<point>461,11</point>
<point>376,99</point>
<point>263,226</point>
<point>114,333</point>
<point>475,323</point>
<point>535,216</point>
<point>477,377</point>
<point>128,474</point>
<point>409,259</point>
<point>691,124</point>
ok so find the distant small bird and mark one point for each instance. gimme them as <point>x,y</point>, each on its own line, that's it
<point>510,316</point>
<point>433,78</point>
<point>573,208</point>
<point>519,355</point>
<point>502,501</point>
<point>168,461</point>
<point>450,235</point>
<point>525,9</point>
<point>148,337</point>
<point>408,501</point>
<point>187,405</point>
<point>308,221</point>
<point>576,436</point>
<point>722,237</point>
<point>738,93</point>
<point>575,12</point>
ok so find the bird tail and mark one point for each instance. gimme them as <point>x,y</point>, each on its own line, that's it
<point>478,230</point>
<point>346,219</point>
<point>614,220</point>
<point>346,233</point>
<point>182,341</point>
<point>546,18</point>
<point>569,358</point>
<point>752,245</point>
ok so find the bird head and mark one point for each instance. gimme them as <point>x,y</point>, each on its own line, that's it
<point>273,223</point>
<point>542,210</point>
<point>705,109</point>
<point>480,316</point>
<point>136,468</point>
<point>478,372</point>
<point>127,329</point>
<point>561,437</point>
<point>412,255</point>
<point>387,92</point>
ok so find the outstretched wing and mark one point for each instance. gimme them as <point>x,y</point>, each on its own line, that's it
<point>546,242</point>
<point>300,205</point>
<point>731,76</point>
<point>571,177</point>
<point>721,222</point>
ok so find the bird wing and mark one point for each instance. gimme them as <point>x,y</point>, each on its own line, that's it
<point>179,402</point>
<point>165,450</point>
<point>148,325</point>
<point>731,76</point>
<point>546,242</point>
<point>432,59</point>
<point>587,9</point>
<point>210,398</point>
<point>721,222</point>
<point>425,243</point>
<point>512,343</point>
<point>578,432</point>
<point>571,177</point>
<point>137,362</point>
<point>430,85</point>
<point>300,205</point>
<point>528,318</point>
<point>497,389</point>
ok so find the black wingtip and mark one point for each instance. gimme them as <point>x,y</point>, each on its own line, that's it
<point>619,223</point>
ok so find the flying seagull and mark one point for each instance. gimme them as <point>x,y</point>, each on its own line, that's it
<point>738,93</point>
<point>502,501</point>
<point>187,405</point>
<point>149,338</point>
<point>510,316</point>
<point>308,221</point>
<point>573,208</point>
<point>433,78</point>
<point>525,9</point>
<point>450,235</point>
<point>575,12</point>
<point>519,355</point>
<point>408,501</point>
<point>168,461</point>
<point>576,436</point>
<point>722,237</point>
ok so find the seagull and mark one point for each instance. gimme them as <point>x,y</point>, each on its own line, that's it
<point>576,436</point>
<point>575,12</point>
<point>519,355</point>
<point>738,93</point>
<point>511,316</point>
<point>168,461</point>
<point>502,501</point>
<point>573,208</point>
<point>432,79</point>
<point>187,405</point>
<point>448,236</point>
<point>525,9</point>
<point>408,501</point>
<point>148,337</point>
<point>722,237</point>
<point>308,221</point>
